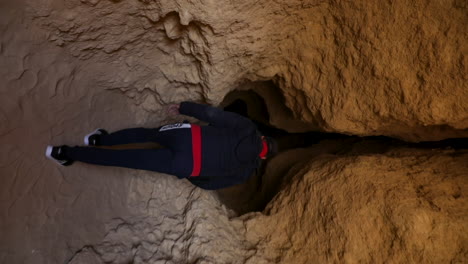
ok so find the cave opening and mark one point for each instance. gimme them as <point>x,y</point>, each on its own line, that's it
<point>256,101</point>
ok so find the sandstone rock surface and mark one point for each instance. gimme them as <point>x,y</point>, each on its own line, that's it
<point>368,68</point>
<point>404,206</point>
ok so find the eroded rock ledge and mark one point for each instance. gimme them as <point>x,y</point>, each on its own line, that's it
<point>365,68</point>
<point>406,205</point>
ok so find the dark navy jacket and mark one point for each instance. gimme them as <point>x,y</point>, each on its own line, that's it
<point>230,146</point>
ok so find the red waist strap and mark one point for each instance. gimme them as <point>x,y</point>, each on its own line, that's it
<point>264,148</point>
<point>196,150</point>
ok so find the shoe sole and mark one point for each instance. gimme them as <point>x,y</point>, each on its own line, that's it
<point>48,154</point>
<point>86,138</point>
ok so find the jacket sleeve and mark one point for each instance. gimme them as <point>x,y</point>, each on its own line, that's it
<point>215,116</point>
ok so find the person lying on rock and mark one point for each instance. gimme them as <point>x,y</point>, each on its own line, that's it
<point>224,153</point>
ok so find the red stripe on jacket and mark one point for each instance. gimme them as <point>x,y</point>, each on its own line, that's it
<point>196,150</point>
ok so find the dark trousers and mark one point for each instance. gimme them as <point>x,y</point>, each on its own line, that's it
<point>175,158</point>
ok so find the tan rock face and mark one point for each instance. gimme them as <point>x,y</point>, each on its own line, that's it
<point>366,68</point>
<point>404,206</point>
<point>377,68</point>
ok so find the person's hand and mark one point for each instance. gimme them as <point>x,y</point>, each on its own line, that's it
<point>173,109</point>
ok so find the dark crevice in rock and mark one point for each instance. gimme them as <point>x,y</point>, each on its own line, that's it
<point>255,194</point>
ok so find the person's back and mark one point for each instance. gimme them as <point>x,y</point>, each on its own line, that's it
<point>222,154</point>
<point>230,146</point>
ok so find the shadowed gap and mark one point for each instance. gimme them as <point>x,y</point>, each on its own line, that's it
<point>255,194</point>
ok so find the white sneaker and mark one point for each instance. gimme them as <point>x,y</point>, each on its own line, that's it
<point>92,139</point>
<point>56,154</point>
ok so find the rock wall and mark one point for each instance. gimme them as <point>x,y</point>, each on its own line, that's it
<point>403,206</point>
<point>366,68</point>
<point>371,68</point>
<point>362,68</point>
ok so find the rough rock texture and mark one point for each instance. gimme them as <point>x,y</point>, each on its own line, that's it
<point>370,68</point>
<point>406,206</point>
<point>395,68</point>
<point>176,224</point>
